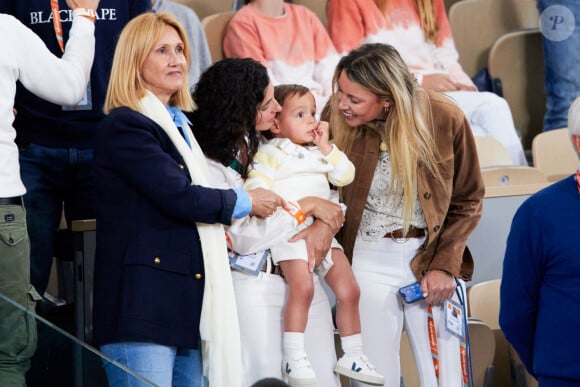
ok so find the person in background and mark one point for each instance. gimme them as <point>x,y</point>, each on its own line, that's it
<point>289,40</point>
<point>56,140</point>
<point>560,26</point>
<point>201,57</point>
<point>416,197</point>
<point>162,285</point>
<point>420,31</point>
<point>235,100</point>
<point>538,294</point>
<point>60,80</point>
<point>298,161</point>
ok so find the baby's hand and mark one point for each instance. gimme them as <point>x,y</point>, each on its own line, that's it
<point>321,138</point>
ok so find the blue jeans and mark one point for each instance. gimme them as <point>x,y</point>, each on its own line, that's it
<point>165,366</point>
<point>560,24</point>
<point>53,177</point>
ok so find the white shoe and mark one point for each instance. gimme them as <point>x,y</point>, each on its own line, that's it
<point>298,370</point>
<point>359,368</point>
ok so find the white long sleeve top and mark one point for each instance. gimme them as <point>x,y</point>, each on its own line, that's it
<point>58,80</point>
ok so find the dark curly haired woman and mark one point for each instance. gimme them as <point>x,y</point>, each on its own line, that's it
<point>225,120</point>
<point>235,100</point>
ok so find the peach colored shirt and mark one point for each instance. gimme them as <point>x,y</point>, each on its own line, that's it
<point>355,22</point>
<point>295,47</point>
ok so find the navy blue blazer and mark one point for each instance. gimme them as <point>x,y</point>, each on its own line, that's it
<point>149,277</point>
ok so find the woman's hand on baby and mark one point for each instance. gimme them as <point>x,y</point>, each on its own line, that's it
<point>318,238</point>
<point>327,211</point>
<point>265,202</point>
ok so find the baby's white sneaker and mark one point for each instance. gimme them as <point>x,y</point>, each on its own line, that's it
<point>358,367</point>
<point>298,370</point>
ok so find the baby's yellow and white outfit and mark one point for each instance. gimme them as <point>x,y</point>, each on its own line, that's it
<point>294,172</point>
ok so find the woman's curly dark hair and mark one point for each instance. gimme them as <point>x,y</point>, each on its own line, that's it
<point>228,95</point>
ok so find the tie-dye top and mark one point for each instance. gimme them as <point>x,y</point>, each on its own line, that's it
<point>355,22</point>
<point>295,47</point>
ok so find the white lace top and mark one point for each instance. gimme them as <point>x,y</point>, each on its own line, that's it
<point>383,212</point>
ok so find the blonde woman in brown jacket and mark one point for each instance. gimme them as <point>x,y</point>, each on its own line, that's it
<point>416,198</point>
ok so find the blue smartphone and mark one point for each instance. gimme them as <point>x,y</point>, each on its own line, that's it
<point>411,293</point>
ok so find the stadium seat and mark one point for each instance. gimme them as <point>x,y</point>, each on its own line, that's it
<point>517,60</point>
<point>553,154</point>
<point>482,347</point>
<point>476,24</point>
<point>502,176</point>
<point>491,152</point>
<point>448,4</point>
<point>215,27</point>
<point>484,304</point>
<point>204,8</point>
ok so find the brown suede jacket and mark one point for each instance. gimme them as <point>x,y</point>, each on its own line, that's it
<point>451,213</point>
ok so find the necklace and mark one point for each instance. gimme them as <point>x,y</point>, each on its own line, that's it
<point>380,129</point>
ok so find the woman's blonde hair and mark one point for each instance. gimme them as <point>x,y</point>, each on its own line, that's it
<point>426,16</point>
<point>380,69</point>
<point>135,43</point>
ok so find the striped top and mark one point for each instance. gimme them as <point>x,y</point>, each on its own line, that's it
<point>355,22</point>
<point>294,171</point>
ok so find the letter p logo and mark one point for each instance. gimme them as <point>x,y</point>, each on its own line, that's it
<point>557,23</point>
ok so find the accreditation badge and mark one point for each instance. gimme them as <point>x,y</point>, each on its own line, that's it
<point>249,264</point>
<point>454,318</point>
<point>84,104</point>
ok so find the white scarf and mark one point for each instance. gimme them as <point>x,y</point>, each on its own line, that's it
<point>219,328</point>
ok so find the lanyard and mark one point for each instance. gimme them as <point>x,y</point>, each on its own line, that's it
<point>433,340</point>
<point>577,177</point>
<point>463,356</point>
<point>435,351</point>
<point>229,242</point>
<point>57,23</point>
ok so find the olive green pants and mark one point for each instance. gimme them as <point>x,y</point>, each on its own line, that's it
<point>17,328</point>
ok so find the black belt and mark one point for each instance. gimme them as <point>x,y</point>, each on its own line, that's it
<point>16,200</point>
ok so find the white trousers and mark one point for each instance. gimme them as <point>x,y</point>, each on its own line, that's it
<point>260,301</point>
<point>490,115</point>
<point>381,268</point>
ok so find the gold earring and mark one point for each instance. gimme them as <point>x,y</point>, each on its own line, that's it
<point>387,107</point>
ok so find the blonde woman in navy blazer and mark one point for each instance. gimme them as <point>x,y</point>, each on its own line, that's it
<point>161,269</point>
